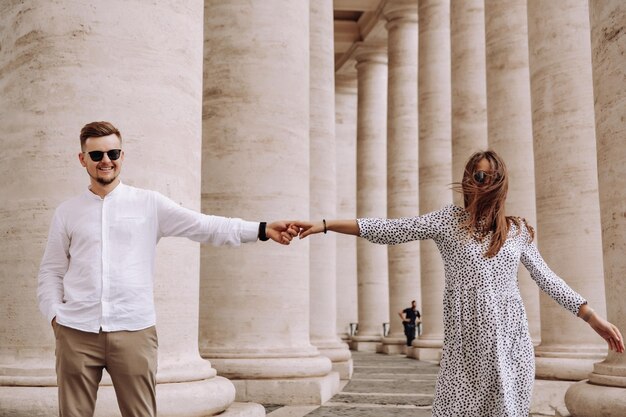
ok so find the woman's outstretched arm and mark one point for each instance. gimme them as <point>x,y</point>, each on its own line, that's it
<point>347,227</point>
<point>563,294</point>
<point>609,332</point>
<point>383,231</point>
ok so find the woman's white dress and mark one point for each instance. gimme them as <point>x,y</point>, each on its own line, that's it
<point>487,364</point>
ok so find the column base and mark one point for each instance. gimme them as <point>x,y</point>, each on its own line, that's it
<point>548,396</point>
<point>393,345</point>
<point>393,349</point>
<point>564,369</point>
<point>252,368</point>
<point>243,410</point>
<point>561,412</point>
<point>587,400</point>
<point>426,354</point>
<point>364,346</point>
<point>344,369</point>
<point>339,355</point>
<point>426,350</point>
<point>204,397</point>
<point>365,343</point>
<point>566,365</point>
<point>294,391</point>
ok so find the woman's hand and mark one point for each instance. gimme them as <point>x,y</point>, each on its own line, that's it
<point>308,228</point>
<point>346,227</point>
<point>608,332</point>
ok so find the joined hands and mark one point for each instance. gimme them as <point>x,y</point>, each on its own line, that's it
<point>284,231</point>
<point>281,232</point>
<point>287,230</point>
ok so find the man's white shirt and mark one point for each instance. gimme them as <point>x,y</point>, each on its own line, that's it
<point>97,271</point>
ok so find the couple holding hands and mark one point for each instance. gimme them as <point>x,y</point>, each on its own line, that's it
<point>95,283</point>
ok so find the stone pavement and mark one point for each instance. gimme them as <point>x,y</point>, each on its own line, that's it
<point>394,386</point>
<point>382,385</point>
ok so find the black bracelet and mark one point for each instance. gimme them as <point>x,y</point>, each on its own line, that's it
<point>325,229</point>
<point>262,236</point>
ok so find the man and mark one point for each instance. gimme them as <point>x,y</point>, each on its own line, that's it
<point>96,277</point>
<point>410,319</point>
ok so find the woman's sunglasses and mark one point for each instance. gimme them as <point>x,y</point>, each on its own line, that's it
<point>481,176</point>
<point>113,154</point>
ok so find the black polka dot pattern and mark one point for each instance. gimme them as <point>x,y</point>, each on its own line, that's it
<point>487,365</point>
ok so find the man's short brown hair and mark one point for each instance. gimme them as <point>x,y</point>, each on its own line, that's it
<point>96,130</point>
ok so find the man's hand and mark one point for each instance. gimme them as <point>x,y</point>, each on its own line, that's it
<point>281,232</point>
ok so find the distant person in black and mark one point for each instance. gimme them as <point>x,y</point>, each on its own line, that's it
<point>410,319</point>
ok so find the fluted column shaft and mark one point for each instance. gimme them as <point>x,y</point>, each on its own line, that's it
<point>323,189</point>
<point>605,392</point>
<point>564,149</point>
<point>509,120</point>
<point>469,90</point>
<point>371,193</point>
<point>402,189</point>
<point>254,314</point>
<point>345,123</point>
<point>435,160</point>
<point>52,83</point>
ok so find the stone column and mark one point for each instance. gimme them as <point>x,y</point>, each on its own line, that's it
<point>373,287</point>
<point>402,190</point>
<point>254,308</point>
<point>65,64</point>
<point>568,217</point>
<point>435,161</point>
<point>509,121</point>
<point>345,128</point>
<point>605,391</point>
<point>469,90</point>
<point>323,189</point>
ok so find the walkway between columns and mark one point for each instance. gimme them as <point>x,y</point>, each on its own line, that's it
<point>389,385</point>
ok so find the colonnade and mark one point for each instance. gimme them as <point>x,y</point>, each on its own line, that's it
<point>518,77</point>
<point>255,122</point>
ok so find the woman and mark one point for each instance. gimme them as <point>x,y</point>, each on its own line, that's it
<point>487,365</point>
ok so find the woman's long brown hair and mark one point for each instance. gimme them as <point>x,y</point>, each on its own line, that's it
<point>484,203</point>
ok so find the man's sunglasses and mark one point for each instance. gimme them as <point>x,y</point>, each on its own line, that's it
<point>481,176</point>
<point>113,154</point>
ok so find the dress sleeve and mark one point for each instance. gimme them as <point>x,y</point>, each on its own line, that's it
<point>405,229</point>
<point>548,281</point>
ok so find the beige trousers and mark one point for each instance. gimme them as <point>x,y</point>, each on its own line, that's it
<point>130,357</point>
